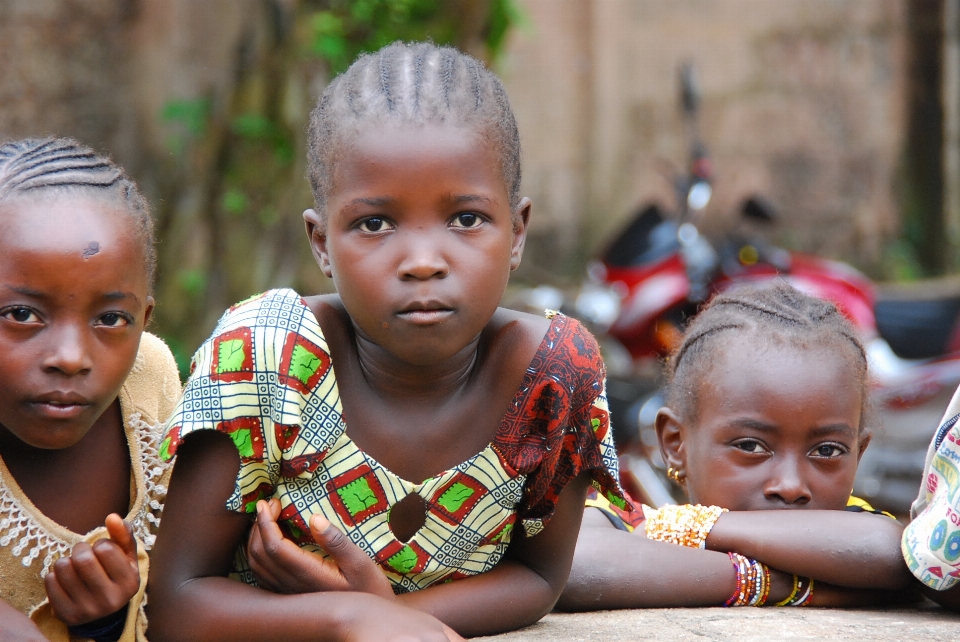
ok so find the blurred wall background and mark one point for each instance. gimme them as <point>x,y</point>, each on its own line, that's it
<point>842,113</point>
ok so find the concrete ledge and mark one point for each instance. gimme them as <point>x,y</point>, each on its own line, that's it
<point>742,624</point>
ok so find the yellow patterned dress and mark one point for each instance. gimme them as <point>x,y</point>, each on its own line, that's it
<point>265,378</point>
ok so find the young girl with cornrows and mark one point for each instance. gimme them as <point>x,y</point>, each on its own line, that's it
<point>766,420</point>
<point>416,458</point>
<point>83,394</point>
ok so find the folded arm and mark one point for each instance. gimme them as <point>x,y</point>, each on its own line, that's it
<point>855,550</point>
<point>192,599</point>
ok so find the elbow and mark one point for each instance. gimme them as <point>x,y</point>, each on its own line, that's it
<point>165,613</point>
<point>891,570</point>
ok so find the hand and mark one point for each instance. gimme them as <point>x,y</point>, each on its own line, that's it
<point>283,567</point>
<point>391,622</point>
<point>97,580</point>
<point>17,627</point>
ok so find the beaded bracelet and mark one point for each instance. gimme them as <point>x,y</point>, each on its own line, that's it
<point>753,582</point>
<point>796,589</point>
<point>686,525</point>
<point>802,593</point>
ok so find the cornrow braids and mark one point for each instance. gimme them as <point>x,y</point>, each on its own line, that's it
<point>775,313</point>
<point>32,165</point>
<point>414,83</point>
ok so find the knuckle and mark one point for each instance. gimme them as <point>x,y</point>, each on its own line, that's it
<point>335,539</point>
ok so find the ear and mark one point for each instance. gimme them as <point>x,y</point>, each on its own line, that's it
<point>316,233</point>
<point>520,222</point>
<point>670,435</point>
<point>862,444</point>
<point>149,311</point>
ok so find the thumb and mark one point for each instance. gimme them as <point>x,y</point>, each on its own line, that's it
<point>347,555</point>
<point>121,533</point>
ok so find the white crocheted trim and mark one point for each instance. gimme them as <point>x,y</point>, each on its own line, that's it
<point>30,539</point>
<point>148,518</point>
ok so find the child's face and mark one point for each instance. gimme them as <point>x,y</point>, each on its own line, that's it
<point>73,303</point>
<point>419,237</point>
<point>777,427</point>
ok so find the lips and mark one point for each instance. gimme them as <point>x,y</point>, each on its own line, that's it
<point>60,405</point>
<point>426,312</point>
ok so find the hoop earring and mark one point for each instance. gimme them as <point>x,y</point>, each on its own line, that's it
<point>676,476</point>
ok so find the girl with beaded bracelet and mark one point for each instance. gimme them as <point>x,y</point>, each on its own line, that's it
<point>764,426</point>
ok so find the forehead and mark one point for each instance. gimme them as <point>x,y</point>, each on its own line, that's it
<point>384,153</point>
<point>64,237</point>
<point>781,381</point>
<point>64,220</point>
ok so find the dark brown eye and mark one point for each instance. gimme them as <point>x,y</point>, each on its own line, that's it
<point>467,219</point>
<point>829,450</point>
<point>113,320</point>
<point>374,224</point>
<point>21,315</point>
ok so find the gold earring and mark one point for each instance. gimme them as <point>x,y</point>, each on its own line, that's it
<point>675,475</point>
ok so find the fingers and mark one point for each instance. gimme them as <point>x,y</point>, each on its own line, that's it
<point>281,565</point>
<point>359,571</point>
<point>121,533</point>
<point>332,539</point>
<point>92,582</point>
<point>116,563</point>
<point>63,605</point>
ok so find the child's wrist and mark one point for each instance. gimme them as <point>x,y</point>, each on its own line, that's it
<point>781,586</point>
<point>106,629</point>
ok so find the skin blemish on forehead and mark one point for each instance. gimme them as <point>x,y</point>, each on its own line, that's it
<point>91,250</point>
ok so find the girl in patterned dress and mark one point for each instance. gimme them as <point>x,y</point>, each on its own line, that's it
<point>931,542</point>
<point>766,416</point>
<point>413,454</point>
<point>83,394</point>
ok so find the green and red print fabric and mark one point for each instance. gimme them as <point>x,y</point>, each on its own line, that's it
<point>265,378</point>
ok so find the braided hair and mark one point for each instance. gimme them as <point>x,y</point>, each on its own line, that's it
<point>32,165</point>
<point>774,314</point>
<point>415,83</point>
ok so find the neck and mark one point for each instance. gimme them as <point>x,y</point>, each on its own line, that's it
<point>391,377</point>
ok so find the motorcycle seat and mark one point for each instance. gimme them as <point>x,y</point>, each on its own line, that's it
<point>921,324</point>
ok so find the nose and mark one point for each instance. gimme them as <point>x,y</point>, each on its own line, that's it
<point>423,257</point>
<point>68,353</point>
<point>787,484</point>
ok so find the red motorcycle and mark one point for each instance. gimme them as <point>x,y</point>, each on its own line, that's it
<point>658,271</point>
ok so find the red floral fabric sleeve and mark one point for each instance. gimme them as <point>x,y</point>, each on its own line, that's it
<point>558,424</point>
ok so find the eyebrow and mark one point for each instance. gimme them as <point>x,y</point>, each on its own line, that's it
<point>376,201</point>
<point>819,431</point>
<point>119,296</point>
<point>35,294</point>
<point>108,296</point>
<point>470,198</point>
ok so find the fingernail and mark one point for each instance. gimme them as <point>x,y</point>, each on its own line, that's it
<point>319,523</point>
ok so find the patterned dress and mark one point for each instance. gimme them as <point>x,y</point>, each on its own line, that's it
<point>30,542</point>
<point>266,379</point>
<point>931,542</point>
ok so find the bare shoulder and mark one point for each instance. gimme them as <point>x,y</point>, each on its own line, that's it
<point>327,308</point>
<point>517,328</point>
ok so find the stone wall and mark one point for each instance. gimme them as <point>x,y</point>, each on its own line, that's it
<point>803,102</point>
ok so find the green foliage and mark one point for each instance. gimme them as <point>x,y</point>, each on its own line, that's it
<point>504,15</point>
<point>190,118</point>
<point>341,30</point>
